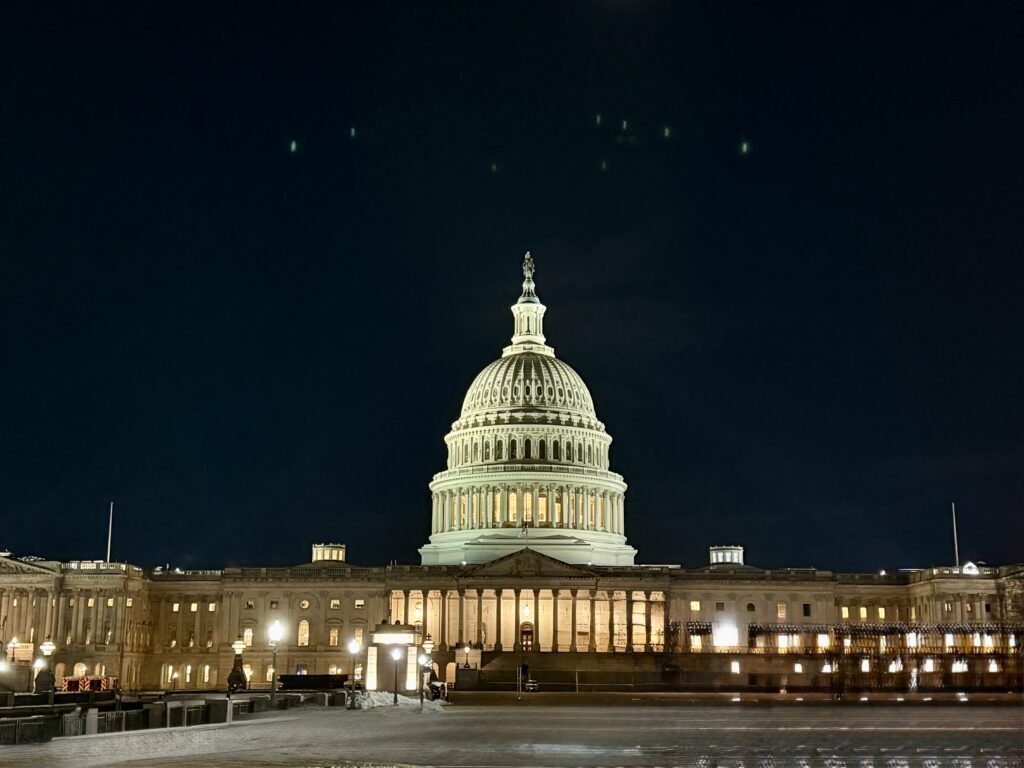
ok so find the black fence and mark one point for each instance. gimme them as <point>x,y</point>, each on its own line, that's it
<point>29,730</point>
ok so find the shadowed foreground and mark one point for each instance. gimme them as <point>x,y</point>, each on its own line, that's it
<point>769,735</point>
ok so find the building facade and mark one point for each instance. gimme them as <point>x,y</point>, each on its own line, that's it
<point>527,562</point>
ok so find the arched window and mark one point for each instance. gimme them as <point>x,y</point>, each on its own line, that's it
<point>512,448</point>
<point>303,634</point>
<point>498,450</point>
<point>465,453</point>
<point>527,446</point>
<point>579,451</point>
<point>590,454</point>
<point>555,451</point>
<point>750,608</point>
<point>487,451</point>
<point>568,451</point>
<point>542,451</point>
<point>476,452</point>
<point>81,670</point>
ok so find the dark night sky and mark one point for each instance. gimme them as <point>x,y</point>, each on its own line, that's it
<point>809,349</point>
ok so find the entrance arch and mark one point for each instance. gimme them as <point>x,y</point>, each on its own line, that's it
<point>526,636</point>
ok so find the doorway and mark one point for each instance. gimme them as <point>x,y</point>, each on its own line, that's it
<point>526,636</point>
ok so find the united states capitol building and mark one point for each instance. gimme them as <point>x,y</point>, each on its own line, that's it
<point>527,561</point>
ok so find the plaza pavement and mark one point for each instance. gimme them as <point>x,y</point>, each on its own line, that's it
<point>767,735</point>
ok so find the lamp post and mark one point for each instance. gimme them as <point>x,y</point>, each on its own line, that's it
<point>12,647</point>
<point>275,633</point>
<point>236,677</point>
<point>465,650</point>
<point>428,646</point>
<point>396,654</point>
<point>174,681</point>
<point>44,677</point>
<point>353,649</point>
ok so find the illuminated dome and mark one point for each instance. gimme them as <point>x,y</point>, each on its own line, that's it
<point>528,461</point>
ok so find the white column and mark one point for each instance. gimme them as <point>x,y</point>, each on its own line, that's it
<point>504,504</point>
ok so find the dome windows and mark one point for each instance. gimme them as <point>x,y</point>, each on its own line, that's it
<point>498,450</point>
<point>512,449</point>
<point>487,451</point>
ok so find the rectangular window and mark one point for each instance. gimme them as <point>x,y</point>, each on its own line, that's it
<point>250,604</point>
<point>332,636</point>
<point>211,607</point>
<point>988,607</point>
<point>780,610</point>
<point>129,602</point>
<point>110,602</point>
<point>913,613</point>
<point>845,611</point>
<point>734,667</point>
<point>513,507</point>
<point>695,642</point>
<point>807,610</point>
<point>947,607</point>
<point>92,601</point>
<point>695,606</point>
<point>863,611</point>
<point>174,607</point>
<point>358,635</point>
<point>206,673</point>
<point>360,603</point>
<point>719,606</point>
<point>273,604</point>
<point>270,674</point>
<point>194,607</point>
<point>335,603</point>
<point>881,612</point>
<point>247,669</point>
<point>247,637</point>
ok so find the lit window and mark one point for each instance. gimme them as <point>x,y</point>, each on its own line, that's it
<point>881,612</point>
<point>734,667</point>
<point>695,642</point>
<point>987,641</point>
<point>174,607</point>
<point>270,674</point>
<point>912,640</point>
<point>194,607</point>
<point>360,603</point>
<point>332,636</point>
<point>206,673</point>
<point>846,642</point>
<point>992,666</point>
<point>92,602</point>
<point>798,668</point>
<point>304,604</point>
<point>188,673</point>
<point>863,612</point>
<point>129,602</point>
<point>247,637</point>
<point>211,607</point>
<point>358,635</point>
<point>335,603</point>
<point>845,610</point>
<point>780,610</point>
<point>959,666</point>
<point>303,633</point>
<point>948,639</point>
<point>947,607</point>
<point>929,665</point>
<point>823,640</point>
<point>334,669</point>
<point>110,602</point>
<point>865,665</point>
<point>913,613</point>
<point>358,673</point>
<point>782,641</point>
<point>695,605</point>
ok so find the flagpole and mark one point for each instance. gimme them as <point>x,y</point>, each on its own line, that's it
<point>956,545</point>
<point>110,530</point>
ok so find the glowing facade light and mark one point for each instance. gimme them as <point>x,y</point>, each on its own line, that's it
<point>396,653</point>
<point>275,632</point>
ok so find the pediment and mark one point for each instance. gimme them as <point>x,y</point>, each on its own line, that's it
<point>528,563</point>
<point>12,566</point>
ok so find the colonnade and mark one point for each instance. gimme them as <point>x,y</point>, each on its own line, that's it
<point>549,619</point>
<point>510,506</point>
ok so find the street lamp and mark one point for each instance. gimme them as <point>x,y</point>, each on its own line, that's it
<point>465,650</point>
<point>353,649</point>
<point>236,677</point>
<point>174,681</point>
<point>396,654</point>
<point>44,676</point>
<point>12,647</point>
<point>275,633</point>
